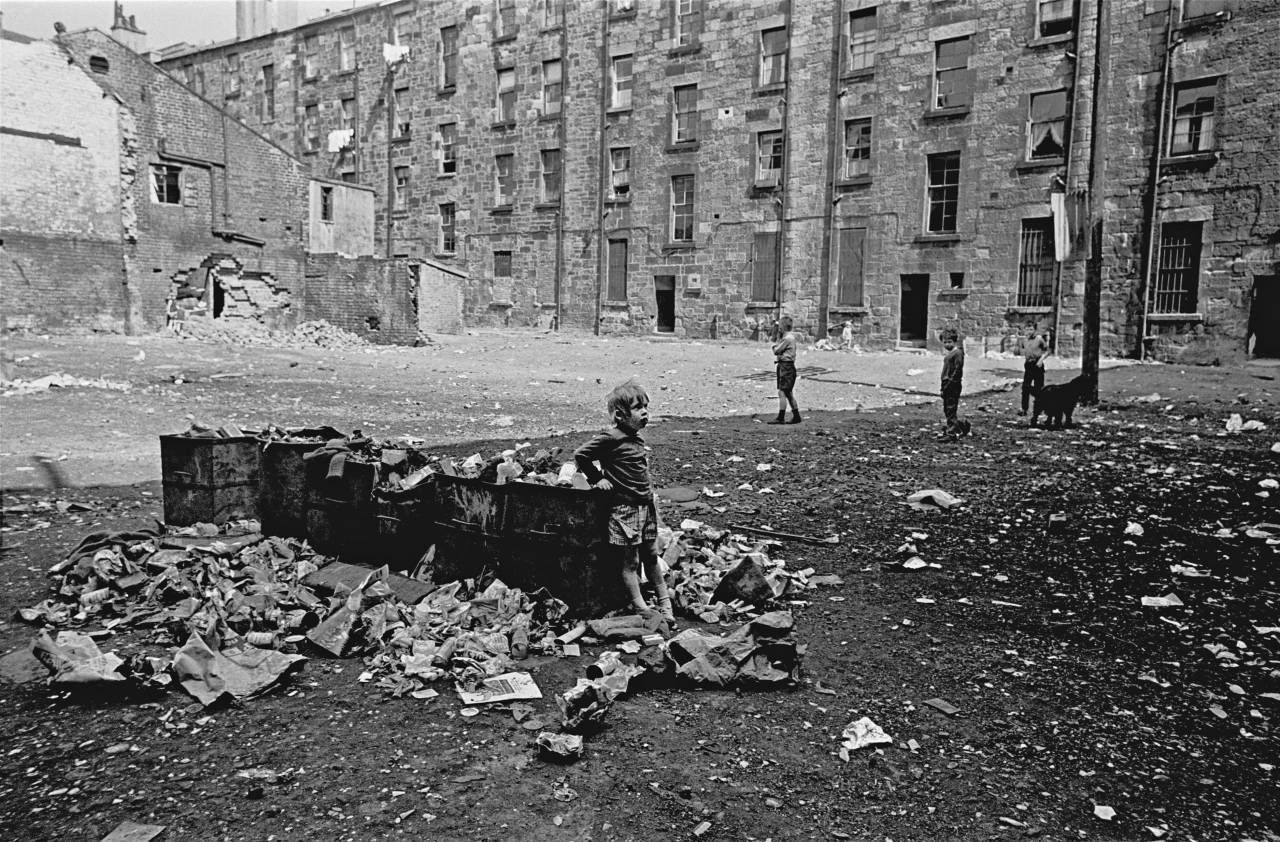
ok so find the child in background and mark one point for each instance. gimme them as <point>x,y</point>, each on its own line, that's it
<point>846,336</point>
<point>952,379</point>
<point>785,352</point>
<point>1035,347</point>
<point>624,471</point>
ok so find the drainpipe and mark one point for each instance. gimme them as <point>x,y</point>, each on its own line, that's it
<point>786,169</point>
<point>355,117</point>
<point>1066,178</point>
<point>833,163</point>
<point>388,99</point>
<point>564,137</point>
<point>602,247</point>
<point>1153,185</point>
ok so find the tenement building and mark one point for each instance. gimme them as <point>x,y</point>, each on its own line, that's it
<point>699,168</point>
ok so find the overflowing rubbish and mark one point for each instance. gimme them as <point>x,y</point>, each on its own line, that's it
<point>861,733</point>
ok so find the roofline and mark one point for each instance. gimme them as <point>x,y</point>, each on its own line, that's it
<point>324,19</point>
<point>339,183</point>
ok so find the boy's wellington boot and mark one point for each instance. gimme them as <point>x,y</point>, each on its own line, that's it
<point>781,419</point>
<point>795,418</point>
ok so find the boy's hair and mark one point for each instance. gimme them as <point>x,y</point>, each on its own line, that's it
<point>950,334</point>
<point>785,322</point>
<point>625,396</point>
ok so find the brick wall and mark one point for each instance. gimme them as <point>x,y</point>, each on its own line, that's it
<point>367,296</point>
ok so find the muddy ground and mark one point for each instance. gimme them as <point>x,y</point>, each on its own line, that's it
<point>1071,693</point>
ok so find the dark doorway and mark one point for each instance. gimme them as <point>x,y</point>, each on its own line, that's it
<point>664,290</point>
<point>915,310</point>
<point>219,296</point>
<point>1264,317</point>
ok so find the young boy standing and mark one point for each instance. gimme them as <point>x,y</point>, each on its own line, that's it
<point>952,378</point>
<point>785,352</point>
<point>624,471</point>
<point>1034,349</point>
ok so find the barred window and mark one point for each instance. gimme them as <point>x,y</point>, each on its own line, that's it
<point>1178,272</point>
<point>1035,263</point>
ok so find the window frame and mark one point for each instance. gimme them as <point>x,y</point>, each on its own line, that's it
<point>448,228</point>
<point>448,57</point>
<point>448,150</point>
<point>842,296</point>
<point>940,71</point>
<point>311,127</point>
<point>326,203</point>
<point>347,116</point>
<point>401,28</point>
<point>614,170</point>
<point>771,176</point>
<point>401,116</point>
<point>1034,287</point>
<point>310,56</point>
<point>346,49</point>
<point>548,86</point>
<point>685,23</point>
<point>554,172</point>
<point>504,185</point>
<point>231,74</point>
<point>505,101</point>
<point>1195,122</point>
<point>552,13</point>
<point>616,90</point>
<point>402,175</point>
<point>687,119</point>
<point>1029,154</point>
<point>166,184</point>
<point>268,93</point>
<point>1187,296</point>
<point>772,61</point>
<point>505,20</point>
<point>509,258</point>
<point>1042,21</point>
<point>940,193</point>
<point>860,45</point>
<point>846,171</point>
<point>682,211</point>
<point>764,273</point>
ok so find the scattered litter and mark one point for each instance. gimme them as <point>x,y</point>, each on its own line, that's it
<point>59,380</point>
<point>943,705</point>
<point>1169,600</point>
<point>507,687</point>
<point>860,734</point>
<point>131,832</point>
<point>914,563</point>
<point>1104,813</point>
<point>702,828</point>
<point>267,776</point>
<point>933,499</point>
<point>75,659</point>
<point>469,712</point>
<point>1134,529</point>
<point>239,673</point>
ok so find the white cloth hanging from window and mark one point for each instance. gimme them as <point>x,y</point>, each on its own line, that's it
<point>1061,226</point>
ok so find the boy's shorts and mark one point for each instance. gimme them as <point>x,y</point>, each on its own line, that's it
<point>786,376</point>
<point>633,525</point>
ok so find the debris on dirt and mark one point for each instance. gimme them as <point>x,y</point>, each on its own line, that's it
<point>508,687</point>
<point>702,828</point>
<point>264,775</point>
<point>559,747</point>
<point>790,536</point>
<point>943,705</point>
<point>131,832</point>
<point>1134,529</point>
<point>74,658</point>
<point>59,380</point>
<point>933,499</point>
<point>762,651</point>
<point>1169,600</point>
<point>589,700</point>
<point>235,672</point>
<point>318,334</point>
<point>1103,812</point>
<point>859,734</point>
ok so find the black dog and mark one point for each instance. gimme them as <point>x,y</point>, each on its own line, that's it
<point>1057,402</point>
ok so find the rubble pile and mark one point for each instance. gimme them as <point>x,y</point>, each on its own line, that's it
<point>58,380</point>
<point>320,334</point>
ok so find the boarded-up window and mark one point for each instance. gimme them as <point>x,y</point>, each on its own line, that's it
<point>617,270</point>
<point>849,283</point>
<point>952,78</point>
<point>764,266</point>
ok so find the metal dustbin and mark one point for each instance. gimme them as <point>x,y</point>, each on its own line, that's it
<point>340,510</point>
<point>466,527</point>
<point>282,498</point>
<point>404,524</point>
<point>209,480</point>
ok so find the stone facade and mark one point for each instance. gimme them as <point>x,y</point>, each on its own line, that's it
<point>923,144</point>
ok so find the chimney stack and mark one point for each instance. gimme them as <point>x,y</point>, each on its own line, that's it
<point>260,17</point>
<point>126,31</point>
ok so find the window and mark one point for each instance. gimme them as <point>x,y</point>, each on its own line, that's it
<point>1047,126</point>
<point>347,49</point>
<point>1194,9</point>
<point>852,246</point>
<point>764,266</point>
<point>504,167</point>
<point>311,126</point>
<point>1035,263</point>
<point>99,64</point>
<point>620,173</point>
<point>402,188</point>
<point>349,176</point>
<point>957,280</point>
<point>166,184</point>
<point>621,7</point>
<point>326,204</point>
<point>310,56</point>
<point>862,40</point>
<point>449,149</point>
<point>348,115</point>
<point>506,21</point>
<point>684,118</point>
<point>507,95</point>
<point>448,229</point>
<point>231,73</point>
<point>768,158</point>
<point>199,81</point>
<point>1178,272</point>
<point>685,24</point>
<point>448,56</point>
<point>1053,17</point>
<point>682,209</point>
<point>551,176</point>
<point>187,74</point>
<point>401,25</point>
<point>617,289</point>
<point>620,82</point>
<point>502,264</point>
<point>773,57</point>
<point>1193,104</point>
<point>551,88</point>
<point>944,192</point>
<point>857,147</point>
<point>952,79</point>
<point>552,13</point>
<point>268,92</point>
<point>400,103</point>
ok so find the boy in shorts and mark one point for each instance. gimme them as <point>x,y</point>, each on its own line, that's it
<point>785,352</point>
<point>624,471</point>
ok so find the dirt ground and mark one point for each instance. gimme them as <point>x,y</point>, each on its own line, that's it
<point>1071,693</point>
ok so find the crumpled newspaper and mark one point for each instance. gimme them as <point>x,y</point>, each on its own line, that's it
<point>860,734</point>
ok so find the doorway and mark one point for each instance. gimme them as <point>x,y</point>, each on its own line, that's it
<point>914,304</point>
<point>664,290</point>
<point>1264,317</point>
<point>219,295</point>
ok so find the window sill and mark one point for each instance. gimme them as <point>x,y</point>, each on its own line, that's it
<point>400,214</point>
<point>618,200</point>
<point>501,210</point>
<point>1039,164</point>
<point>1190,161</point>
<point>1204,21</point>
<point>954,293</point>
<point>939,238</point>
<point>447,90</point>
<point>764,188</point>
<point>859,76</point>
<point>446,175</point>
<point>343,74</point>
<point>544,206</point>
<point>854,181</point>
<point>1030,311</point>
<point>311,152</point>
<point>1050,40</point>
<point>444,255</point>
<point>762,305</point>
<point>615,304</point>
<point>231,95</point>
<point>401,139</point>
<point>617,110</point>
<point>848,309</point>
<point>311,80</point>
<point>686,146</point>
<point>549,118</point>
<point>1175,317</point>
<point>681,246</point>
<point>769,90</point>
<point>686,50</point>
<point>629,15</point>
<point>506,125</point>
<point>500,305</point>
<point>552,30</point>
<point>946,113</point>
<point>506,37</point>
